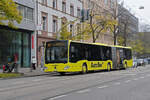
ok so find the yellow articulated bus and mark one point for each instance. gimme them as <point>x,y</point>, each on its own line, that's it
<point>69,56</point>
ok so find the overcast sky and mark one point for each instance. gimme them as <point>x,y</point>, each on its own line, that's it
<point>143,14</point>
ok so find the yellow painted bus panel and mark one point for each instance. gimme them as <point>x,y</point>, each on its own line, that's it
<point>77,67</point>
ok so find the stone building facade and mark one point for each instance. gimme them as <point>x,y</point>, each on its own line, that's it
<point>127,18</point>
<point>19,41</point>
<point>101,6</point>
<point>50,14</point>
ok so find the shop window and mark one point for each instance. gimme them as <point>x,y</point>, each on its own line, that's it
<point>15,42</point>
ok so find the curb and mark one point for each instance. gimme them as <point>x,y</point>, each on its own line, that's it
<point>24,76</point>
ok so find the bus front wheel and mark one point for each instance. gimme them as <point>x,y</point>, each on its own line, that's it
<point>62,73</point>
<point>84,69</point>
<point>108,67</point>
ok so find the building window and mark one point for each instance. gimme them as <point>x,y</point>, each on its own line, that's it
<point>26,12</point>
<point>64,6</point>
<point>55,4</point>
<point>30,13</point>
<point>44,21</point>
<point>106,2</point>
<point>112,3</point>
<point>72,10</point>
<point>78,28</point>
<point>54,25</point>
<point>21,10</point>
<point>78,13</point>
<point>44,2</point>
<point>71,30</point>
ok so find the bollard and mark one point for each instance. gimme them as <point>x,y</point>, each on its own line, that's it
<point>4,68</point>
<point>16,68</point>
<point>33,66</point>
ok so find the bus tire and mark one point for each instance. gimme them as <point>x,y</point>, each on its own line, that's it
<point>108,67</point>
<point>84,69</point>
<point>62,73</point>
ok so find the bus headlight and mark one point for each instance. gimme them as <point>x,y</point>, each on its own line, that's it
<point>45,68</point>
<point>67,67</point>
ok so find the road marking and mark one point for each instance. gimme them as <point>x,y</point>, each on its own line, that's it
<point>68,78</point>
<point>127,81</point>
<point>36,80</point>
<point>83,91</point>
<point>142,77</point>
<point>148,75</point>
<point>118,83</point>
<point>103,87</point>
<point>130,74</point>
<point>101,73</point>
<point>57,97</point>
<point>21,82</point>
<point>136,79</point>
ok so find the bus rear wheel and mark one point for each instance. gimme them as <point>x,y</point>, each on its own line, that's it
<point>125,66</point>
<point>84,69</point>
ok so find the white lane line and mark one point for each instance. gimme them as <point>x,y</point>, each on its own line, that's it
<point>4,89</point>
<point>83,91</point>
<point>135,79</point>
<point>21,82</point>
<point>148,75</point>
<point>127,81</point>
<point>36,80</point>
<point>102,73</point>
<point>105,86</point>
<point>118,83</point>
<point>130,74</point>
<point>68,78</point>
<point>142,77</point>
<point>57,97</point>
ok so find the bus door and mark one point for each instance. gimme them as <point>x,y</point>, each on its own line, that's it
<point>114,57</point>
<point>120,57</point>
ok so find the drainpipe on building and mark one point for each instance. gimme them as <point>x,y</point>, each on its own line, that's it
<point>34,57</point>
<point>36,32</point>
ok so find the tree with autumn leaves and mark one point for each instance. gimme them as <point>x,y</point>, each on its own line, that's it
<point>97,25</point>
<point>9,13</point>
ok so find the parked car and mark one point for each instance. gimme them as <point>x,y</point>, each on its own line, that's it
<point>148,60</point>
<point>145,62</point>
<point>135,63</point>
<point>140,62</point>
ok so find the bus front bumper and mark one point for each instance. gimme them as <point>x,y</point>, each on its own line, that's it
<point>62,68</point>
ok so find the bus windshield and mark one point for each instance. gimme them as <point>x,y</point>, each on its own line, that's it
<point>56,52</point>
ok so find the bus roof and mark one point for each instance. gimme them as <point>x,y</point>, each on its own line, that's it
<point>93,43</point>
<point>102,44</point>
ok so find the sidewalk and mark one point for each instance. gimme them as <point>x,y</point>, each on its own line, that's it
<point>28,73</point>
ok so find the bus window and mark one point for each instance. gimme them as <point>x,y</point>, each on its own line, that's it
<point>56,52</point>
<point>95,53</point>
<point>106,53</point>
<point>128,54</point>
<point>76,52</point>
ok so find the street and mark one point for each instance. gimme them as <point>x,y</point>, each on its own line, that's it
<point>129,84</point>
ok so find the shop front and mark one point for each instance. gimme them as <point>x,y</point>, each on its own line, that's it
<point>15,42</point>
